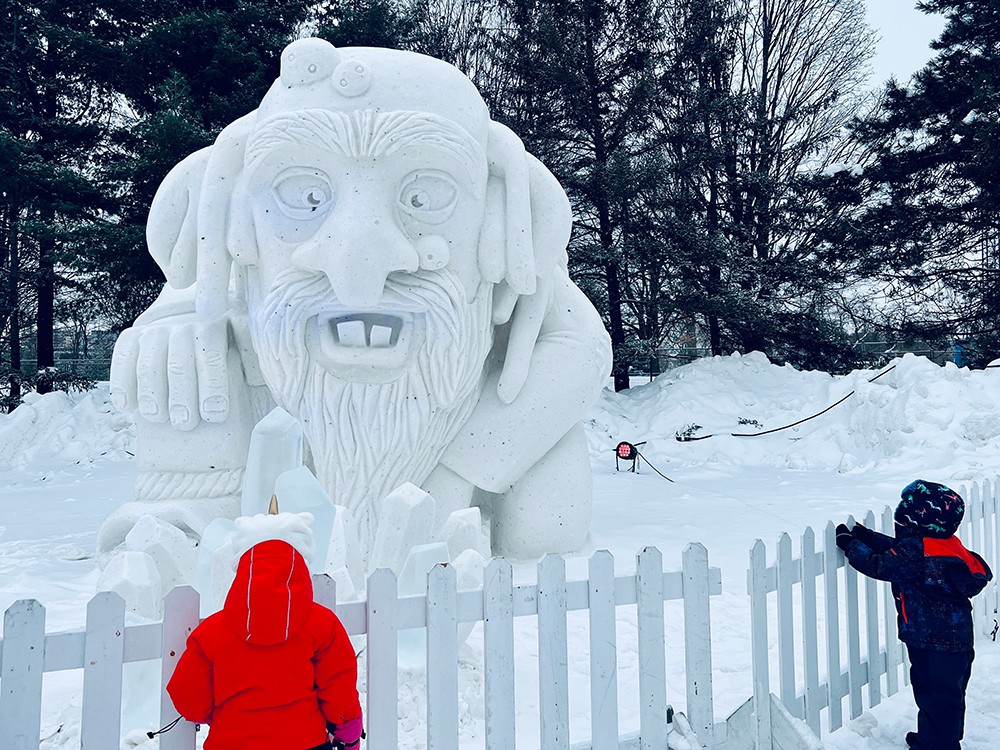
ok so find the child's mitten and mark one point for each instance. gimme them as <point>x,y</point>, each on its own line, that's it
<point>844,536</point>
<point>347,733</point>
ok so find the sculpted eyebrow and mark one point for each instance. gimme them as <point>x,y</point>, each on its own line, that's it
<point>365,134</point>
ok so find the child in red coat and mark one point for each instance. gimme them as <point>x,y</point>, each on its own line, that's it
<point>273,669</point>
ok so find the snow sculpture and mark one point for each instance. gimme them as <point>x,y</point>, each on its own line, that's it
<point>374,254</point>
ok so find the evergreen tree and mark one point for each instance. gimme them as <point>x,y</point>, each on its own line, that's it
<point>54,109</point>
<point>760,92</point>
<point>187,70</point>
<point>369,23</point>
<point>930,219</point>
<point>584,95</point>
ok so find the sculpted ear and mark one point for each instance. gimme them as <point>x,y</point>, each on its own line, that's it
<point>221,174</point>
<point>505,246</point>
<point>528,217</point>
<point>187,229</point>
<point>171,230</point>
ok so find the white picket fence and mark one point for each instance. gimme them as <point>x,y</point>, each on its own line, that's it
<point>27,652</point>
<point>821,612</point>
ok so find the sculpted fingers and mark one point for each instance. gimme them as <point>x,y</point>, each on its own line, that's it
<point>182,380</point>
<point>123,364</point>
<point>529,314</point>
<point>151,374</point>
<point>211,349</point>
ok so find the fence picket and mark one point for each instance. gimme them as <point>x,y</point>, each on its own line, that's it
<point>810,630</point>
<point>872,631</point>
<point>975,516</point>
<point>698,644</point>
<point>989,512</point>
<point>498,656</point>
<point>652,650</point>
<point>180,617</point>
<point>603,651</point>
<point>382,650</point>
<point>442,659</point>
<point>553,660</point>
<point>831,611</point>
<point>893,658</point>
<point>855,677</point>
<point>21,680</point>
<point>325,590</point>
<point>757,584</point>
<point>786,627</point>
<point>104,649</point>
<point>991,543</point>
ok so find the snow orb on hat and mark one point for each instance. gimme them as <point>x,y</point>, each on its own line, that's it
<point>293,528</point>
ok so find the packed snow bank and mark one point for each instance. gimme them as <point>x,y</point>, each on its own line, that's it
<point>74,427</point>
<point>915,409</point>
<point>934,415</point>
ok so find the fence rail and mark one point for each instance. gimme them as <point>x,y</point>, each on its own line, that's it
<point>27,652</point>
<point>836,639</point>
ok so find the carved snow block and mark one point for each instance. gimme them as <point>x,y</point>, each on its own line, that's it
<point>170,549</point>
<point>298,491</point>
<point>134,577</point>
<point>406,519</point>
<point>275,447</point>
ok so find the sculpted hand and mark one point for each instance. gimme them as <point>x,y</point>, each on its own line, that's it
<point>176,370</point>
<point>525,324</point>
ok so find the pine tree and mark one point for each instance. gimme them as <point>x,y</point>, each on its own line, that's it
<point>186,71</point>
<point>931,212</point>
<point>54,110</point>
<point>583,95</point>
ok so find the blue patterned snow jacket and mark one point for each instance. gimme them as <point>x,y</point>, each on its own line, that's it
<point>932,580</point>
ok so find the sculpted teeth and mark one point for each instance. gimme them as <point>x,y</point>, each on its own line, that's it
<point>366,330</point>
<point>351,333</point>
<point>380,336</point>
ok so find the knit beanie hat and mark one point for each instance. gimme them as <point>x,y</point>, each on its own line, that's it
<point>931,508</point>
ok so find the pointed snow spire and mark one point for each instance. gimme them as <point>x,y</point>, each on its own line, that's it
<point>272,509</point>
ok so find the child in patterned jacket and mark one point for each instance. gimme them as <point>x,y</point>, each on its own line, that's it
<point>933,577</point>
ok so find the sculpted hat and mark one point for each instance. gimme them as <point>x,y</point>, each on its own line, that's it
<point>317,75</point>
<point>931,508</point>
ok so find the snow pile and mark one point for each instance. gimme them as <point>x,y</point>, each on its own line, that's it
<point>937,416</point>
<point>73,427</point>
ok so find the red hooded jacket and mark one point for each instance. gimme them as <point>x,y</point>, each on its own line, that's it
<point>272,667</point>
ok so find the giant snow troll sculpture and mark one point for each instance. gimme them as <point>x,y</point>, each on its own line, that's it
<point>374,254</point>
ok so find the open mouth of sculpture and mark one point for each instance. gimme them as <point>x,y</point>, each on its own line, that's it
<point>365,346</point>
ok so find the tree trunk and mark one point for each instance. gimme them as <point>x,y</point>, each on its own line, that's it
<point>45,280</point>
<point>14,325</point>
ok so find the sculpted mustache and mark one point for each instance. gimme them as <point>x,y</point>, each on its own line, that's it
<point>296,295</point>
<point>306,293</point>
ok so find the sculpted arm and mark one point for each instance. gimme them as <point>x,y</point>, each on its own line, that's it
<point>566,370</point>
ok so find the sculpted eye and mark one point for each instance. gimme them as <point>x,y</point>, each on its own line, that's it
<point>303,194</point>
<point>428,196</point>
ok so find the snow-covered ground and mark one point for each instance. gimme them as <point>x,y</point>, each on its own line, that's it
<point>66,462</point>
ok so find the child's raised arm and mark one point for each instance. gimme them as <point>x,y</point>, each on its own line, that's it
<point>899,563</point>
<point>875,540</point>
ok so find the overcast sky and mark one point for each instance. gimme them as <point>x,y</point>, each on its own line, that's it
<point>905,33</point>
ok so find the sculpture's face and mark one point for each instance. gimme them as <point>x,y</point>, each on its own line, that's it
<point>367,307</point>
<point>360,198</point>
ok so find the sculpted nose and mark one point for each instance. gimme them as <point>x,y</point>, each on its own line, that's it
<point>357,253</point>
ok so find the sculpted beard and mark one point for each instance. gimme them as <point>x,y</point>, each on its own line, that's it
<point>368,438</point>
